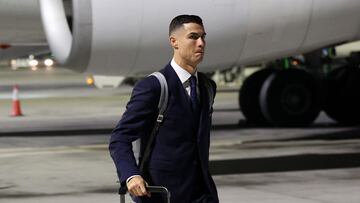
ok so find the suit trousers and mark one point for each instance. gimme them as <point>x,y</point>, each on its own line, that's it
<point>201,193</point>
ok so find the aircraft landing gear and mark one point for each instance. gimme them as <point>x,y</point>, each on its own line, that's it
<point>249,97</point>
<point>287,97</point>
<point>343,100</point>
<point>290,98</point>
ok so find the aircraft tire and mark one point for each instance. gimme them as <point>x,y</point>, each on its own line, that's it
<point>290,98</point>
<point>249,95</point>
<point>342,103</point>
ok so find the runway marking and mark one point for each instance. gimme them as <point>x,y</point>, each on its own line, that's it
<point>15,152</point>
<point>299,162</point>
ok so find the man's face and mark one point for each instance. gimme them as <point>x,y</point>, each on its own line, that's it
<point>189,44</point>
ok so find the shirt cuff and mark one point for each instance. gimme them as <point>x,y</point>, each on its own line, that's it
<point>127,180</point>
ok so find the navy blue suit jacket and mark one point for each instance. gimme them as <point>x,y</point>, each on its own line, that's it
<point>181,147</point>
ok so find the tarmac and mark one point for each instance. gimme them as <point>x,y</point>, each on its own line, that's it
<point>57,151</point>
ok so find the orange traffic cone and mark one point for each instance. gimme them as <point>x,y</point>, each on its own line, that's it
<point>16,109</point>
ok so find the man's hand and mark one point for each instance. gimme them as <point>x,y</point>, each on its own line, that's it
<point>137,186</point>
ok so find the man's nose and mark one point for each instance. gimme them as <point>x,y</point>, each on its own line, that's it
<point>201,42</point>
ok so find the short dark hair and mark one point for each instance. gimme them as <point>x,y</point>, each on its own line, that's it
<point>178,21</point>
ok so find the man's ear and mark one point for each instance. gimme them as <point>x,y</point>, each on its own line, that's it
<point>174,42</point>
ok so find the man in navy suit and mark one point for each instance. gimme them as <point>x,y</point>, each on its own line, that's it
<point>180,156</point>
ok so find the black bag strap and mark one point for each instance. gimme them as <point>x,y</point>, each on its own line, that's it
<point>163,101</point>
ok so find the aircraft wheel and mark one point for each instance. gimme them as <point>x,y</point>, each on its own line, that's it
<point>249,95</point>
<point>290,98</point>
<point>343,98</point>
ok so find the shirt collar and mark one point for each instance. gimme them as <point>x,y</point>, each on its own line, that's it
<point>181,73</point>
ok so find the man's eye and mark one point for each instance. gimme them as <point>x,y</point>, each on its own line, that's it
<point>194,37</point>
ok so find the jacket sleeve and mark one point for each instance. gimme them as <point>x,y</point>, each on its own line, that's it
<point>136,122</point>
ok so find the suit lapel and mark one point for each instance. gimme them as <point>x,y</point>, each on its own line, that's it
<point>204,105</point>
<point>178,92</point>
<point>182,98</point>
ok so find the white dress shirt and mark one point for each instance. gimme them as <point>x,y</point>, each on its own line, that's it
<point>184,77</point>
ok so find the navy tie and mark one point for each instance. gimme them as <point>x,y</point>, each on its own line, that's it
<point>193,96</point>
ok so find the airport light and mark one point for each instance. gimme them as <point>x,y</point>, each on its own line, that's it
<point>295,63</point>
<point>89,80</point>
<point>33,62</point>
<point>48,62</point>
<point>13,64</point>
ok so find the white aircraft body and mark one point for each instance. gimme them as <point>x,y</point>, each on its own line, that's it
<point>130,37</point>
